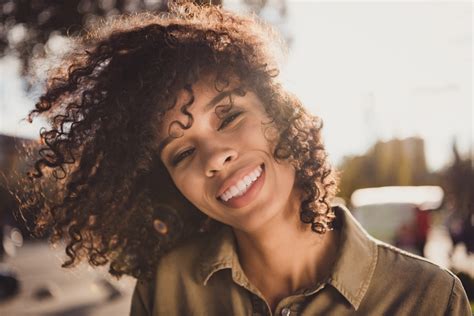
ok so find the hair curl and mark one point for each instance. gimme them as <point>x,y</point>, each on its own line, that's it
<point>98,182</point>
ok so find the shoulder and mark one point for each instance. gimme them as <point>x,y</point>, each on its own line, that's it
<point>408,280</point>
<point>176,278</point>
<point>401,265</point>
<point>184,259</point>
<point>406,284</point>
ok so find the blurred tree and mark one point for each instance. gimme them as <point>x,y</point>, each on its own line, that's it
<point>27,25</point>
<point>396,162</point>
<point>13,166</point>
<point>458,183</point>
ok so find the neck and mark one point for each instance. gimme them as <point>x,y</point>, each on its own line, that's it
<point>285,256</point>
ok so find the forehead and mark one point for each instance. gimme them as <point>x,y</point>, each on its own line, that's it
<point>200,94</point>
<point>203,96</point>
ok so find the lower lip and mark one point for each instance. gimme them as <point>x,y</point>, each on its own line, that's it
<point>249,195</point>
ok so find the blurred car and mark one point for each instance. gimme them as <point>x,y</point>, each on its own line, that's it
<point>398,215</point>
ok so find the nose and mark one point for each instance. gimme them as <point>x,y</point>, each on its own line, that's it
<point>216,158</point>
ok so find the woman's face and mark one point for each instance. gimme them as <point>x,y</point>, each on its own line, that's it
<point>223,163</point>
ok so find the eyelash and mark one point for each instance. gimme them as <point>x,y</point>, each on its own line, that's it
<point>179,157</point>
<point>226,121</point>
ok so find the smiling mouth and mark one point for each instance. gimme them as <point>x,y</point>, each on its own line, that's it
<point>243,185</point>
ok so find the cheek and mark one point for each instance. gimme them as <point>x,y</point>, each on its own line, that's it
<point>187,186</point>
<point>182,185</point>
<point>286,175</point>
<point>271,134</point>
<point>291,175</point>
<point>258,135</point>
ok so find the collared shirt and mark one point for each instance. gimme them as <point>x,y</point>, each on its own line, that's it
<point>369,277</point>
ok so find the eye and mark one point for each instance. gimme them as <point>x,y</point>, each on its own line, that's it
<point>181,156</point>
<point>228,119</point>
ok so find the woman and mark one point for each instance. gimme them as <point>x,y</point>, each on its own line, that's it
<point>183,162</point>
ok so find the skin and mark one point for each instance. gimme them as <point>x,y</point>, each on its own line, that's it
<point>277,252</point>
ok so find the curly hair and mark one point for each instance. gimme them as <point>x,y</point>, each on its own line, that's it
<point>98,182</point>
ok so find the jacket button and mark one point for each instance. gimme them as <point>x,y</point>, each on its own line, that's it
<point>285,311</point>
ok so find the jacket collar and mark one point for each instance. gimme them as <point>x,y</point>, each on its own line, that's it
<point>353,268</point>
<point>356,260</point>
<point>219,255</point>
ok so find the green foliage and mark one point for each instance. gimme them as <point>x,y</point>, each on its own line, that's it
<point>26,25</point>
<point>458,183</point>
<point>396,162</point>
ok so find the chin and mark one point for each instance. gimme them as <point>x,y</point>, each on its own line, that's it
<point>254,221</point>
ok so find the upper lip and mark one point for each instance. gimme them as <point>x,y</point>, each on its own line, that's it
<point>235,178</point>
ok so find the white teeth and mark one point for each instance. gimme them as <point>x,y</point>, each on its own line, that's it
<point>234,190</point>
<point>247,180</point>
<point>242,185</point>
<point>226,196</point>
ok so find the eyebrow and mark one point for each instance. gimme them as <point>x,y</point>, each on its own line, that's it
<point>211,104</point>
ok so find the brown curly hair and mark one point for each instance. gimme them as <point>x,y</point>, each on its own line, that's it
<point>98,182</point>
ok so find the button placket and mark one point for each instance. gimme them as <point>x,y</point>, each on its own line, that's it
<point>258,306</point>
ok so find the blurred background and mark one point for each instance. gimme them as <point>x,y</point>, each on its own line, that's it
<point>391,80</point>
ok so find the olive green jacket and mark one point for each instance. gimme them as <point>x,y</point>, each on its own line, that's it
<point>204,277</point>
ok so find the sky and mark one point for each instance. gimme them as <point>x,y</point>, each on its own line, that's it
<point>371,70</point>
<point>379,70</point>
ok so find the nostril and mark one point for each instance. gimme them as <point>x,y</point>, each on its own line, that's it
<point>212,173</point>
